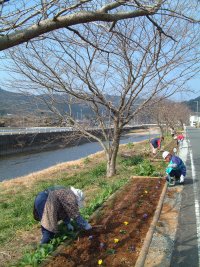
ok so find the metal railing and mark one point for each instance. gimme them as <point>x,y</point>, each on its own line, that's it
<point>32,130</point>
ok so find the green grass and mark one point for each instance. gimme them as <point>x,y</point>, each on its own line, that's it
<point>130,145</point>
<point>134,160</point>
<point>16,209</point>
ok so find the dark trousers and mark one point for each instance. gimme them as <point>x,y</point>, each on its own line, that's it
<point>40,202</point>
<point>176,174</point>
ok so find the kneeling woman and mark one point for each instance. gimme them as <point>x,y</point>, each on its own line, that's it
<point>176,168</point>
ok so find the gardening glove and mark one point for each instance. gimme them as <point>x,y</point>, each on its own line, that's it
<point>83,223</point>
<point>182,178</point>
<point>87,226</point>
<point>173,165</point>
<point>70,227</point>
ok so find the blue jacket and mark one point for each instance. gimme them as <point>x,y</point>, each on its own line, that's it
<point>156,142</point>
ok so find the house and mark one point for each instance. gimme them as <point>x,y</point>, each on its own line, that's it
<point>195,120</point>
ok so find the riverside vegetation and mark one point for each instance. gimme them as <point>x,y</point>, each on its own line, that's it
<point>20,233</point>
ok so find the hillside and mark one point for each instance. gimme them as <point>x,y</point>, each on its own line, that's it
<point>22,104</point>
<point>193,105</point>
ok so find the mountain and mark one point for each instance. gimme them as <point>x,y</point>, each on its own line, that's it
<point>22,104</point>
<point>193,105</point>
<point>15,103</point>
<point>29,104</point>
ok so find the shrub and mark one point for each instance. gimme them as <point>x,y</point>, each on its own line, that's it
<point>100,170</point>
<point>145,169</point>
<point>130,145</point>
<point>132,160</point>
<point>86,161</point>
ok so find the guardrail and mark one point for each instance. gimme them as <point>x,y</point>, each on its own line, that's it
<point>32,130</point>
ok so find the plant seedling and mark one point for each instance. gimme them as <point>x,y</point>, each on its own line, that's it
<point>122,231</point>
<point>145,216</point>
<point>111,251</point>
<point>102,245</point>
<point>131,248</point>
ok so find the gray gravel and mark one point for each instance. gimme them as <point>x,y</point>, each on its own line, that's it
<point>160,250</point>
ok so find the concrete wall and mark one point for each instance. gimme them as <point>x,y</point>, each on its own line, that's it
<point>19,143</point>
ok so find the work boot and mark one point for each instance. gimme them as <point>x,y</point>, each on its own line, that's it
<point>182,180</point>
<point>172,182</point>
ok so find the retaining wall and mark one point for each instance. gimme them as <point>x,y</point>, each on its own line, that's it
<point>19,143</point>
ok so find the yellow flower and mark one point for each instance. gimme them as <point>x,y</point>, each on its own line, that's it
<point>146,192</point>
<point>100,262</point>
<point>116,240</point>
<point>125,223</point>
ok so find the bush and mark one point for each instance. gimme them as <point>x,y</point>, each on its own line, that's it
<point>130,145</point>
<point>146,169</point>
<point>135,160</point>
<point>100,170</point>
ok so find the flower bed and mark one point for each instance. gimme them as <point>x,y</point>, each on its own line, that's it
<point>119,228</point>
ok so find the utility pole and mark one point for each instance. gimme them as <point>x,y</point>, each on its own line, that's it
<point>81,114</point>
<point>197,113</point>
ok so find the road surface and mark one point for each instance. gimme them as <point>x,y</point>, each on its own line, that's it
<point>186,252</point>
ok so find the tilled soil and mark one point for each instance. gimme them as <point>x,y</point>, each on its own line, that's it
<point>119,228</point>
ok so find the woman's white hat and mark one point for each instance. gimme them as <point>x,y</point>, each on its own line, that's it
<point>165,154</point>
<point>79,195</point>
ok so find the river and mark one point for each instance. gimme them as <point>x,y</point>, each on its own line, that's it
<point>20,165</point>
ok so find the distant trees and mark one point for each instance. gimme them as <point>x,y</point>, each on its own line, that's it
<point>115,72</point>
<point>22,21</point>
<point>170,114</point>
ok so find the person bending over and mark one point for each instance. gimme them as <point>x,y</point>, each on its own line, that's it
<point>58,203</point>
<point>156,144</point>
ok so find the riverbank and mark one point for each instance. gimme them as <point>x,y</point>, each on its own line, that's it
<point>25,142</point>
<point>24,164</point>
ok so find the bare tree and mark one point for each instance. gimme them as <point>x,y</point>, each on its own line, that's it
<point>168,113</point>
<point>182,114</point>
<point>115,73</point>
<point>21,20</point>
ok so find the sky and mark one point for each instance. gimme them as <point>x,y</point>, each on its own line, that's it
<point>193,85</point>
<point>192,93</point>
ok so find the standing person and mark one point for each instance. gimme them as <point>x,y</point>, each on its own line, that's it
<point>172,131</point>
<point>55,204</point>
<point>179,138</point>
<point>156,144</point>
<point>176,170</point>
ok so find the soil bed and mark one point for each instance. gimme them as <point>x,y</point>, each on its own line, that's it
<point>119,228</point>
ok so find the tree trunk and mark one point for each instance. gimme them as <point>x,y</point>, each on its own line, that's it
<point>161,130</point>
<point>112,153</point>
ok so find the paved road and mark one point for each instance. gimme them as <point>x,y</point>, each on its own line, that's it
<point>186,251</point>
